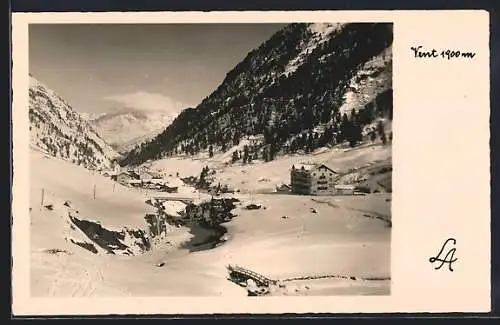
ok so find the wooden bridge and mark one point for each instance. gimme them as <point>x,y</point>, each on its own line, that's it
<point>239,274</point>
<point>172,198</point>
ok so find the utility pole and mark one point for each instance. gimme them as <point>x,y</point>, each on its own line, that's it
<point>94,191</point>
<point>158,220</point>
<point>158,215</point>
<point>43,193</point>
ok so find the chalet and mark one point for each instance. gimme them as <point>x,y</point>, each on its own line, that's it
<point>169,189</point>
<point>151,186</point>
<point>155,173</point>
<point>134,182</point>
<point>145,176</point>
<point>313,179</point>
<point>157,181</point>
<point>283,188</point>
<point>344,189</point>
<point>113,172</point>
<point>124,177</point>
<point>134,174</point>
<point>108,173</point>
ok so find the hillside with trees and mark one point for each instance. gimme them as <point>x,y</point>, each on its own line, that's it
<point>308,86</point>
<point>58,130</point>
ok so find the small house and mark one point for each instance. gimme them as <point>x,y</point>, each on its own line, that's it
<point>170,189</point>
<point>155,174</point>
<point>123,178</point>
<point>145,176</point>
<point>157,181</point>
<point>152,186</point>
<point>134,174</point>
<point>344,189</point>
<point>283,188</point>
<point>134,182</point>
<point>109,172</point>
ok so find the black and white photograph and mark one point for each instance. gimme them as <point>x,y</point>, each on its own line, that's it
<point>210,159</point>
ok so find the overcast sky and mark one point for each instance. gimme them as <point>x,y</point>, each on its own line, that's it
<point>101,68</point>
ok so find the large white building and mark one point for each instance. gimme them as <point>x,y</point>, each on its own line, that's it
<point>317,179</point>
<point>313,179</point>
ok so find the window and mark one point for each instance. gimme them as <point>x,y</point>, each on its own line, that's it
<point>322,188</point>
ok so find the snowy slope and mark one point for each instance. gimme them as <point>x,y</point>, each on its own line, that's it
<point>57,129</point>
<point>341,239</point>
<point>354,165</point>
<point>81,226</point>
<point>320,34</point>
<point>374,77</point>
<point>125,129</point>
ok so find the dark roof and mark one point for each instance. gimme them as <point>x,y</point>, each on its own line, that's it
<point>328,167</point>
<point>309,167</point>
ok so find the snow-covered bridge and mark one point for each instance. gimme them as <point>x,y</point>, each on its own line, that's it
<point>173,198</point>
<point>240,274</point>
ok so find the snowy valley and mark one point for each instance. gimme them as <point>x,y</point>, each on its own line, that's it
<point>121,232</point>
<point>178,200</point>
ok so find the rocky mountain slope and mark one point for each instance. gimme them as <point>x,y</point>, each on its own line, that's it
<point>124,129</point>
<point>308,86</point>
<point>61,132</point>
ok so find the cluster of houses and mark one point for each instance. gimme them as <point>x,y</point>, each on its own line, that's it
<point>317,179</point>
<point>140,178</point>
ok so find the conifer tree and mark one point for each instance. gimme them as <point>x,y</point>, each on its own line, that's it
<point>245,154</point>
<point>272,151</point>
<point>234,157</point>
<point>265,154</point>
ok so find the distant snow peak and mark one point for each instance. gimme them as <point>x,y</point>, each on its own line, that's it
<point>141,116</point>
<point>127,128</point>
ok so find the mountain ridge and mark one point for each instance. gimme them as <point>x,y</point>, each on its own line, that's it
<point>61,132</point>
<point>307,86</point>
<point>125,128</point>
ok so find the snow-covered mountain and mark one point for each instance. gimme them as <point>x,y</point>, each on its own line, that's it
<point>124,129</point>
<point>61,132</point>
<point>306,87</point>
